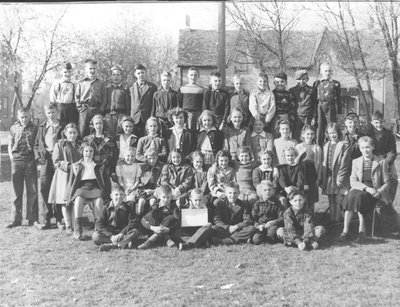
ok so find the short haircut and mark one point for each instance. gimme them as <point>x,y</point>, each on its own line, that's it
<point>263,75</point>
<point>231,185</point>
<point>194,69</point>
<point>236,110</point>
<point>365,139</point>
<point>267,152</point>
<point>223,153</point>
<point>126,118</point>
<point>207,113</point>
<point>296,192</point>
<point>197,153</point>
<point>215,74</point>
<point>283,122</point>
<point>351,116</point>
<point>264,183</point>
<point>87,144</point>
<point>117,188</point>
<point>166,74</point>
<point>257,120</point>
<point>117,67</point>
<point>151,152</point>
<point>97,116</point>
<point>152,119</point>
<point>334,126</point>
<point>291,149</point>
<point>51,106</point>
<point>245,149</point>
<point>130,149</point>
<point>24,109</point>
<point>177,112</point>
<point>139,67</point>
<point>237,76</point>
<point>162,189</point>
<point>90,61</point>
<point>71,126</point>
<point>325,64</point>
<point>377,115</point>
<point>196,191</point>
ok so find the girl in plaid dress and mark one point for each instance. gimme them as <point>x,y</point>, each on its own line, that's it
<point>210,140</point>
<point>220,173</point>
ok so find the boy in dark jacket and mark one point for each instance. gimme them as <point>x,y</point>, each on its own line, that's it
<point>117,226</point>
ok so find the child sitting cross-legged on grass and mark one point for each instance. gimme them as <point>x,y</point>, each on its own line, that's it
<point>118,224</point>
<point>267,213</point>
<point>299,229</point>
<point>162,220</point>
<point>233,221</point>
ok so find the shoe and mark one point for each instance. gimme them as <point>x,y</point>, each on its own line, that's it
<point>315,245</point>
<point>150,242</point>
<point>78,236</point>
<point>32,223</point>
<point>216,241</point>
<point>108,246</point>
<point>60,225</point>
<point>185,246</point>
<point>343,237</point>
<point>68,230</point>
<point>40,226</point>
<point>171,243</point>
<point>249,241</point>
<point>14,224</point>
<point>361,237</point>
<point>227,241</point>
<point>130,245</point>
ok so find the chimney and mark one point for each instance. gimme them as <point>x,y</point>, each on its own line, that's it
<point>187,22</point>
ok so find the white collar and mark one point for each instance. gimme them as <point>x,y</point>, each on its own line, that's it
<point>263,134</point>
<point>211,129</point>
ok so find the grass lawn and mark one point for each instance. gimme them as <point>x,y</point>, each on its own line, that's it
<point>47,268</point>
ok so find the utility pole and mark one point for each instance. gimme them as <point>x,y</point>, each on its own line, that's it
<point>221,42</point>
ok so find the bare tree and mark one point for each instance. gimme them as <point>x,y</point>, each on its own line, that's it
<point>387,14</point>
<point>266,29</point>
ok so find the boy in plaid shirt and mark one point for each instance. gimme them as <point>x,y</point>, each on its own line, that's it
<point>23,167</point>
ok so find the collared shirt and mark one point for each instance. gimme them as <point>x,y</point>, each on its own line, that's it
<point>178,134</point>
<point>50,138</point>
<point>62,92</point>
<point>91,92</point>
<point>88,171</point>
<point>262,103</point>
<point>22,138</point>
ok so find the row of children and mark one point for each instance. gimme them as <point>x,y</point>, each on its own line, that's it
<point>330,168</point>
<point>302,104</point>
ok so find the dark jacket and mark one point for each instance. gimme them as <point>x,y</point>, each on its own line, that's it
<point>187,143</point>
<point>163,101</point>
<point>239,215</point>
<point>117,219</point>
<point>384,144</point>
<point>217,101</point>
<point>180,176</point>
<point>40,145</point>
<point>141,105</point>
<point>122,103</point>
<point>292,176</point>
<point>157,215</point>
<point>216,139</point>
<point>298,226</point>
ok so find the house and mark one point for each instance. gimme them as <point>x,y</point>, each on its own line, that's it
<point>306,50</point>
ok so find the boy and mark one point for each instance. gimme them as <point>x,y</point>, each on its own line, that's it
<point>48,134</point>
<point>117,226</point>
<point>262,100</point>
<point>63,93</point>
<point>141,92</point>
<point>162,221</point>
<point>299,229</point>
<point>284,142</point>
<point>128,173</point>
<point>118,101</point>
<point>191,98</point>
<point>286,107</point>
<point>233,221</point>
<point>198,236</point>
<point>267,214</point>
<point>328,100</point>
<point>352,134</point>
<point>90,97</point>
<point>23,167</point>
<point>302,95</point>
<point>164,99</point>
<point>239,98</point>
<point>216,99</point>
<point>385,147</point>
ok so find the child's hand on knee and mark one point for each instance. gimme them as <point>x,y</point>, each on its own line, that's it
<point>302,246</point>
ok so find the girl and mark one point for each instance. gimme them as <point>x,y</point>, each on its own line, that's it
<point>151,141</point>
<point>260,140</point>
<point>127,139</point>
<point>87,184</point>
<point>266,171</point>
<point>244,175</point>
<point>105,151</point>
<point>310,155</point>
<point>177,175</point>
<point>291,175</point>
<point>128,174</point>
<point>369,183</point>
<point>220,173</point>
<point>65,153</point>
<point>210,140</point>
<point>178,137</point>
<point>284,142</point>
<point>335,170</point>
<point>236,136</point>
<point>200,176</point>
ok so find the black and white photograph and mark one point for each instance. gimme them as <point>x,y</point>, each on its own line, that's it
<point>199,153</point>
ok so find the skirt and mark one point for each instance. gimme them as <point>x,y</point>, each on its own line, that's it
<point>59,187</point>
<point>361,201</point>
<point>88,189</point>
